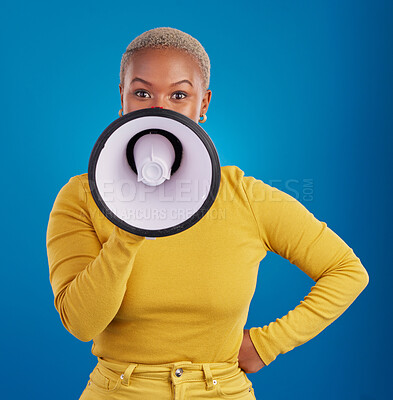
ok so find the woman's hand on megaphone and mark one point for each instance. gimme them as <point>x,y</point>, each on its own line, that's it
<point>127,236</point>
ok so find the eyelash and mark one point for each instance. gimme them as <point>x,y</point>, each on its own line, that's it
<point>137,91</point>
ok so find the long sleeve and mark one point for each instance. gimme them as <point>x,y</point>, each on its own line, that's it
<point>287,228</point>
<point>88,279</point>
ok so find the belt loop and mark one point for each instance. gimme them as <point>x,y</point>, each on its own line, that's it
<point>208,376</point>
<point>125,377</point>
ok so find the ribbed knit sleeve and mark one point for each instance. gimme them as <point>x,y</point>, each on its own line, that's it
<point>287,228</point>
<point>88,278</point>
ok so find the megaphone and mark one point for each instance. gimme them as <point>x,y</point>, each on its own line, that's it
<point>154,172</point>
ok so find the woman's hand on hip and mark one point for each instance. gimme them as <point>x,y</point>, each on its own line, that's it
<point>249,360</point>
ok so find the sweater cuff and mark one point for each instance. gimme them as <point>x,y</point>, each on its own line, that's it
<point>262,346</point>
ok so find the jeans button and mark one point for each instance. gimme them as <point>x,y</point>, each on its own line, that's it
<point>179,372</point>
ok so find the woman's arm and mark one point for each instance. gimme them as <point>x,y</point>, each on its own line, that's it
<point>88,279</point>
<point>287,228</point>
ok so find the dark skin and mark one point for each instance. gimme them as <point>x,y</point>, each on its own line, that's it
<point>161,68</point>
<point>158,71</point>
<point>249,360</point>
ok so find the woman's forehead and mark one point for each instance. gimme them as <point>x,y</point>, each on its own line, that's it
<point>165,63</point>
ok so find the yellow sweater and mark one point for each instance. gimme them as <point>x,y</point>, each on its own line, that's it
<point>187,296</point>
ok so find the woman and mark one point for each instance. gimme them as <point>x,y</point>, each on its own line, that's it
<point>166,316</point>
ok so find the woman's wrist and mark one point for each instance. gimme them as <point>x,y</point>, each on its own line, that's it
<point>127,236</point>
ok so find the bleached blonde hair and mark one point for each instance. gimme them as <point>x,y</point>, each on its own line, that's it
<point>168,37</point>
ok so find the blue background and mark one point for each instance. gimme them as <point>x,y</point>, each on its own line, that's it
<point>302,99</point>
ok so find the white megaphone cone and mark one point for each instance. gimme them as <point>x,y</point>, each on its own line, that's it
<point>154,172</point>
<point>154,156</point>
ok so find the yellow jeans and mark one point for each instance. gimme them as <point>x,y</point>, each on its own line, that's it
<point>181,380</point>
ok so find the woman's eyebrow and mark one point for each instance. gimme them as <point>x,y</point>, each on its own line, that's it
<point>141,80</point>
<point>172,84</point>
<point>182,81</point>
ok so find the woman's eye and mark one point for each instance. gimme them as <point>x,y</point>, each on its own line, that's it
<point>143,93</point>
<point>181,94</point>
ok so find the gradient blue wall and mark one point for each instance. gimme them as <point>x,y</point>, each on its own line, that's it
<point>302,99</point>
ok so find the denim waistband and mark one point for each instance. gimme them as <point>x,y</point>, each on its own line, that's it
<point>174,371</point>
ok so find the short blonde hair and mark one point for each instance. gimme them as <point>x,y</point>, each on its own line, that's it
<point>168,37</point>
